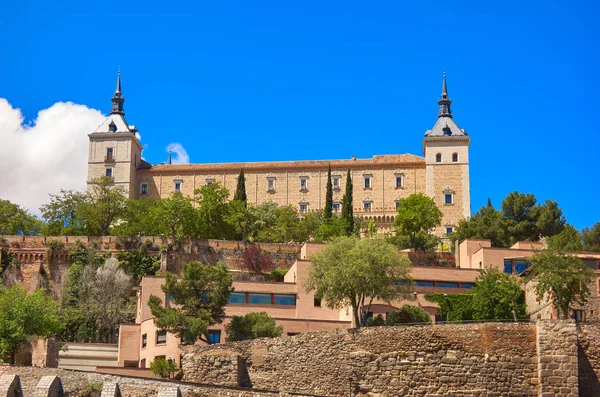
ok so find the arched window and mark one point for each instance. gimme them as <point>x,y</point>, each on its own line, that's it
<point>455,157</point>
<point>112,127</point>
<point>438,158</point>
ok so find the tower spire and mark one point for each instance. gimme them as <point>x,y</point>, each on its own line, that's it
<point>444,100</point>
<point>117,99</point>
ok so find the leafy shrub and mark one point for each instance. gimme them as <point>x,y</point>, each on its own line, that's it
<point>376,321</point>
<point>256,260</point>
<point>408,314</point>
<point>55,245</point>
<point>251,326</point>
<point>163,368</point>
<point>277,275</point>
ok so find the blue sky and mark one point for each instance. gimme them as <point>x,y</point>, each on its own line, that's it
<point>281,80</point>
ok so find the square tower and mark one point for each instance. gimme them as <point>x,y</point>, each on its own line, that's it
<point>114,150</point>
<point>446,150</point>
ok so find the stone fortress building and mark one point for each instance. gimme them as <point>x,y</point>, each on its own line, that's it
<point>378,182</point>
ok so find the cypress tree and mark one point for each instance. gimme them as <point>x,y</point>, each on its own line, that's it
<point>347,212</point>
<point>328,196</point>
<point>240,191</point>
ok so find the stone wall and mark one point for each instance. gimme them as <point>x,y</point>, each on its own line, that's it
<point>589,358</point>
<point>557,358</point>
<point>408,361</point>
<point>79,384</point>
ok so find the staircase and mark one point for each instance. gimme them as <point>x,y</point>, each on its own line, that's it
<point>88,356</point>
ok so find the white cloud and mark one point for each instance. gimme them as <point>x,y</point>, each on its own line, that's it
<point>138,136</point>
<point>181,156</point>
<point>44,156</point>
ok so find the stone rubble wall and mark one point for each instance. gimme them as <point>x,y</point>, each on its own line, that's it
<point>407,361</point>
<point>557,358</point>
<point>589,358</point>
<point>79,384</point>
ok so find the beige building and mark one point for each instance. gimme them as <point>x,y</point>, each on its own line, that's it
<point>378,182</point>
<point>287,302</point>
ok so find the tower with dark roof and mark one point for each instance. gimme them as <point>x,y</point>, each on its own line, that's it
<point>114,148</point>
<point>446,150</point>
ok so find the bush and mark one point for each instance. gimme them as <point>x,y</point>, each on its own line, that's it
<point>163,368</point>
<point>376,321</point>
<point>251,326</point>
<point>277,275</point>
<point>256,260</point>
<point>408,314</point>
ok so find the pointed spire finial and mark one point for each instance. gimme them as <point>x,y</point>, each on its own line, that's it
<point>444,101</point>
<point>117,99</point>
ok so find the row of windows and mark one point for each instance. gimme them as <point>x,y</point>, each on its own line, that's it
<point>262,299</point>
<point>438,158</point>
<point>214,336</point>
<point>443,284</point>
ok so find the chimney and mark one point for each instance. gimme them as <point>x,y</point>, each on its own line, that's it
<point>169,160</point>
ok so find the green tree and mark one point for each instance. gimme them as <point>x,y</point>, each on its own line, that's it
<point>455,307</point>
<point>487,223</point>
<point>498,296</point>
<point>24,316</point>
<point>416,214</point>
<point>199,297</point>
<point>263,221</point>
<point>527,221</point>
<point>16,220</point>
<point>138,263</point>
<point>331,228</point>
<point>104,204</point>
<point>251,326</point>
<point>408,314</point>
<point>371,228</point>
<point>61,214</point>
<point>213,209</point>
<point>591,238</point>
<point>569,240</point>
<point>328,212</point>
<point>175,216</point>
<point>138,218</point>
<point>240,191</point>
<point>564,279</point>
<point>347,203</point>
<point>240,219</point>
<point>350,272</point>
<point>425,241</point>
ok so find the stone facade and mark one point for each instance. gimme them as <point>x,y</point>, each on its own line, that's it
<point>378,182</point>
<point>557,359</point>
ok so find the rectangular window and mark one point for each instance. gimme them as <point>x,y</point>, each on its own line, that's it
<point>144,340</point>
<point>214,336</point>
<point>287,300</point>
<point>270,185</point>
<point>259,299</point>
<point>109,172</point>
<point>397,204</point>
<point>421,283</point>
<point>303,184</point>
<point>303,208</point>
<point>444,284</point>
<point>398,181</point>
<point>237,297</point>
<point>316,301</point>
<point>109,153</point>
<point>520,267</point>
<point>367,207</point>
<point>144,189</point>
<point>161,337</point>
<point>578,315</point>
<point>467,285</point>
<point>336,182</point>
<point>336,207</point>
<point>168,298</point>
<point>449,230</point>
<point>448,198</point>
<point>178,186</point>
<point>508,266</point>
<point>367,182</point>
